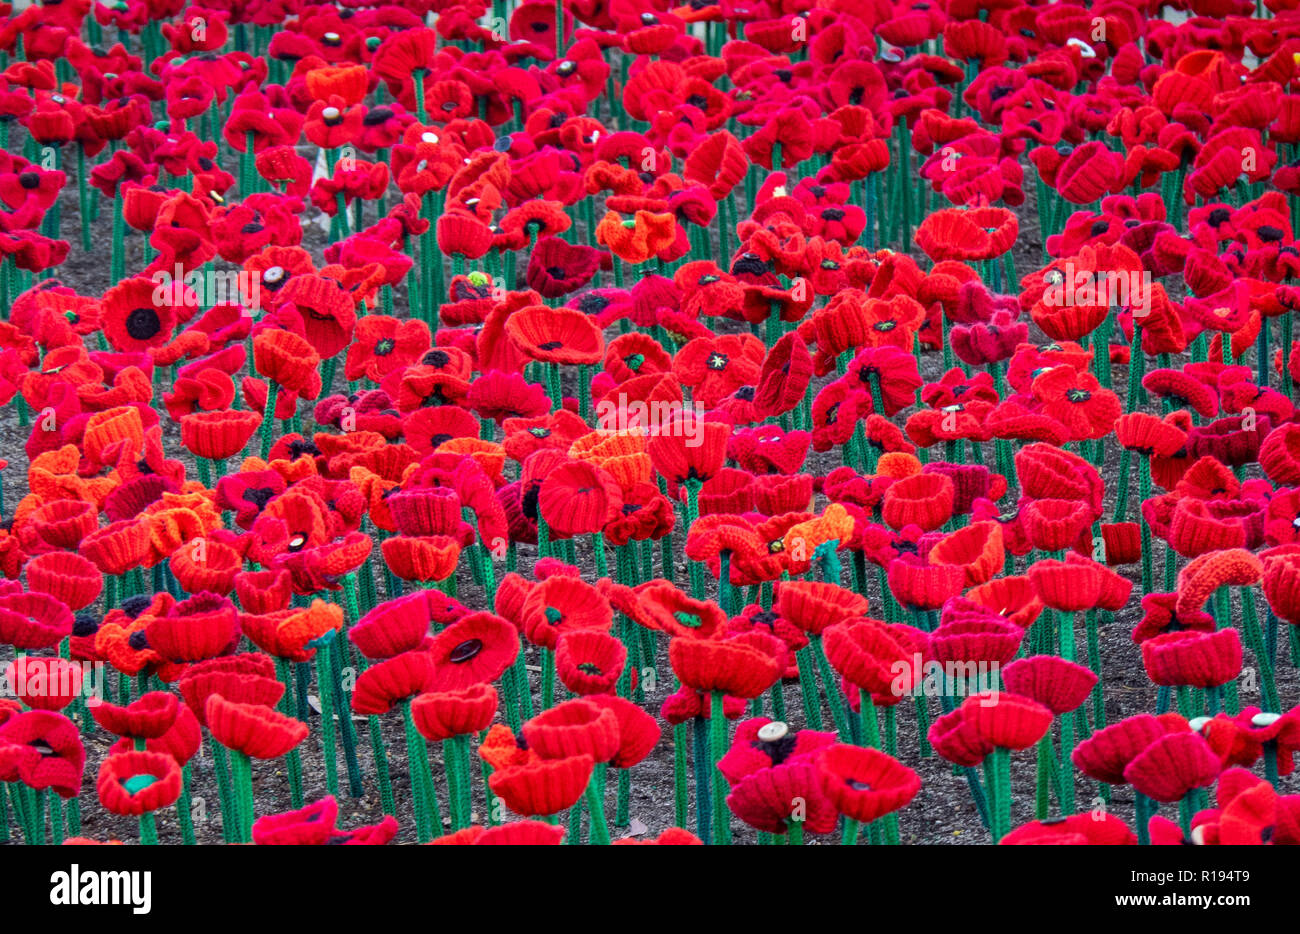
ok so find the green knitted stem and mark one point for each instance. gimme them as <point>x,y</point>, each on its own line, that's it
<point>812,713</point>
<point>1255,640</point>
<point>548,678</point>
<point>680,795</point>
<point>622,817</point>
<point>703,783</point>
<point>184,808</point>
<point>148,829</point>
<point>268,417</point>
<point>1144,493</point>
<point>717,747</point>
<point>869,722</point>
<point>242,777</point>
<point>348,730</point>
<point>794,835</point>
<point>424,799</point>
<point>596,806</point>
<point>328,738</point>
<point>379,753</point>
<point>225,792</point>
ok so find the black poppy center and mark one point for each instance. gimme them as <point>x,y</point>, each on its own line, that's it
<point>143,323</point>
<point>465,651</point>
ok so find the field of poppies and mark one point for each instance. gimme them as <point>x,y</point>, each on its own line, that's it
<point>600,421</point>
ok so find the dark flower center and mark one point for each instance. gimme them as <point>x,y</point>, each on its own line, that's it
<point>465,651</point>
<point>384,347</point>
<point>143,323</point>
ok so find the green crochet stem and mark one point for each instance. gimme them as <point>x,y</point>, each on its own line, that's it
<point>1223,618</point>
<point>424,798</point>
<point>997,768</point>
<point>547,658</point>
<point>347,729</point>
<point>812,712</point>
<point>717,747</point>
<point>148,829</point>
<point>1042,773</point>
<point>849,836</point>
<point>225,793</point>
<point>726,593</point>
<point>184,808</point>
<point>294,758</point>
<point>268,417</point>
<point>455,756</point>
<point>794,833</point>
<point>680,796</point>
<point>703,784</point>
<point>242,777</point>
<point>834,696</point>
<point>1094,663</point>
<point>327,731</point>
<point>596,806</point>
<point>622,816</point>
<point>1066,624</point>
<point>1255,640</point>
<point>1144,493</point>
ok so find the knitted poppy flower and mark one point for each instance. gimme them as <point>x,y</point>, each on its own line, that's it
<point>884,660</point>
<point>1007,721</point>
<point>117,547</point>
<point>555,335</point>
<point>135,783</point>
<point>382,344</point>
<point>589,661</point>
<point>257,731</point>
<point>422,557</point>
<point>742,666</point>
<point>1057,684</point>
<point>475,649</point>
<point>1172,765</point>
<point>394,626</point>
<point>33,621</point>
<point>387,683</point>
<point>440,715</point>
<point>64,522</point>
<point>44,683</point>
<point>288,360</point>
<point>865,784</point>
<point>557,268</point>
<point>218,435</point>
<point>579,498</point>
<point>148,717</point>
<point>924,500</point>
<point>138,313</point>
<point>203,626</point>
<point>662,607</point>
<point>573,728</point>
<point>1106,753</point>
<point>1055,524</point>
<point>242,678</point>
<point>1072,830</point>
<point>67,577</point>
<point>814,605</point>
<point>42,749</point>
<point>955,739</point>
<point>924,586</point>
<point>688,447</point>
<point>1198,659</point>
<point>542,786</point>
